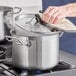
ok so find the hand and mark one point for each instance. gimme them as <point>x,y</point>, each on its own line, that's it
<point>53,14</point>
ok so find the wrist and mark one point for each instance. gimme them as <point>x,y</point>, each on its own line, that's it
<point>67,10</point>
<point>70,9</point>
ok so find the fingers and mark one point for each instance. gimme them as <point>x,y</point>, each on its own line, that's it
<point>56,19</point>
<point>53,15</point>
<point>46,14</point>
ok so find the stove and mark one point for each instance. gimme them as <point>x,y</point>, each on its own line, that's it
<point>7,69</point>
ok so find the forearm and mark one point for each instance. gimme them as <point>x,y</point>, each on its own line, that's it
<point>53,14</point>
<point>71,9</point>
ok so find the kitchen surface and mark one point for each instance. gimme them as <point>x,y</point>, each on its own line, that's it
<point>66,67</point>
<point>28,47</point>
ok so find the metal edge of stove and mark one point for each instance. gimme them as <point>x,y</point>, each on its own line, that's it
<point>71,72</point>
<point>65,69</point>
<point>68,72</point>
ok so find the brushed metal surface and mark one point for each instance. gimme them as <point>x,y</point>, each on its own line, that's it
<point>2,32</point>
<point>42,54</point>
<point>61,73</point>
<point>5,12</point>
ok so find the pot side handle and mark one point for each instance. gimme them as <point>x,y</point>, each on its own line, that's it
<point>11,39</point>
<point>61,34</point>
<point>19,10</point>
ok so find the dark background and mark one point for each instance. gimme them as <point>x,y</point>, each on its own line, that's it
<point>68,40</point>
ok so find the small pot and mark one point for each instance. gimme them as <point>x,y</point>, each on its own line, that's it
<point>6,20</point>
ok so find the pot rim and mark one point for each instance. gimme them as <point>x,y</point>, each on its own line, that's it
<point>5,8</point>
<point>36,34</point>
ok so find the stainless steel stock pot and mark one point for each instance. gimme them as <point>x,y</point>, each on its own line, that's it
<point>39,51</point>
<point>33,49</point>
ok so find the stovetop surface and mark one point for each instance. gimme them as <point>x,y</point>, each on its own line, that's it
<point>7,69</point>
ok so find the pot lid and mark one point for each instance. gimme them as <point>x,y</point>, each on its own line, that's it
<point>23,33</point>
<point>29,22</point>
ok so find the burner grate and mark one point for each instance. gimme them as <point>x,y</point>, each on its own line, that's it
<point>8,68</point>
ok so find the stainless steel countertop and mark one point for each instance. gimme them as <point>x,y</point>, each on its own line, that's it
<point>65,56</point>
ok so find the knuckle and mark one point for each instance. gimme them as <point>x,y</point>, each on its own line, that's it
<point>49,7</point>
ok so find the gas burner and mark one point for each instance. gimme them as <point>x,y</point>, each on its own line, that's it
<point>7,68</point>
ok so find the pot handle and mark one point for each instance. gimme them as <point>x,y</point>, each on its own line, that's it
<point>11,39</point>
<point>11,31</point>
<point>61,34</point>
<point>19,10</point>
<point>2,51</point>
